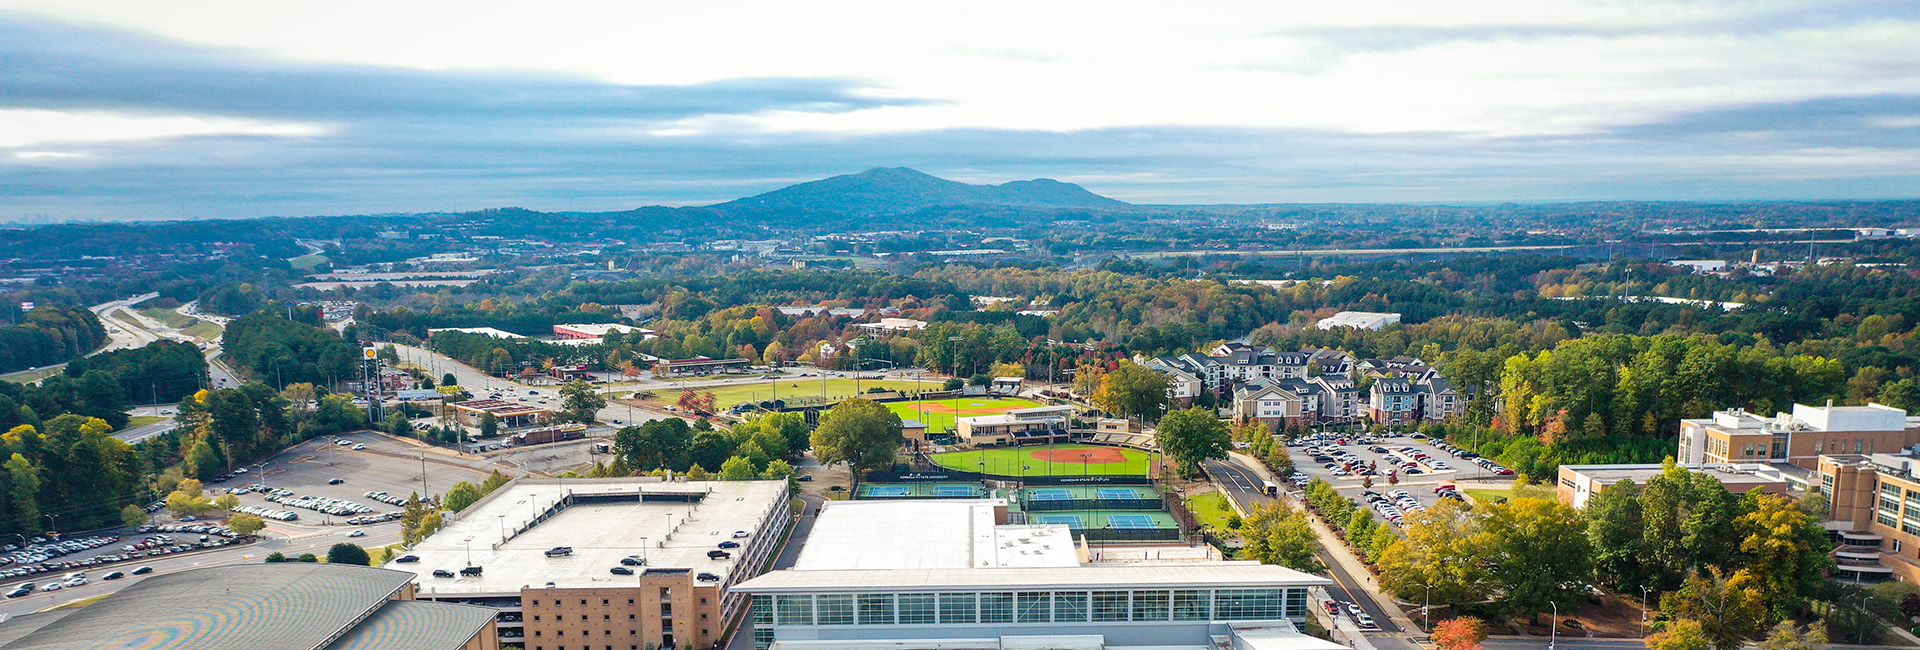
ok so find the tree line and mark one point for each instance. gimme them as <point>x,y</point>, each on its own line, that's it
<point>50,335</point>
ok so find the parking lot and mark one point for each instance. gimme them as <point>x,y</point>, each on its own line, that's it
<point>1404,470</point>
<point>308,470</point>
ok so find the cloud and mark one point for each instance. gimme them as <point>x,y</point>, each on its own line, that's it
<point>202,114</point>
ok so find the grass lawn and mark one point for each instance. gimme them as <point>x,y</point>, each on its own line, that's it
<point>307,262</point>
<point>1211,509</point>
<point>1028,461</point>
<point>792,391</point>
<point>25,377</point>
<point>77,604</point>
<point>940,415</point>
<point>144,420</point>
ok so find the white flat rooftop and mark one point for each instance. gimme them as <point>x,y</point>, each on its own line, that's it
<point>1191,575</point>
<point>600,534</point>
<point>929,534</point>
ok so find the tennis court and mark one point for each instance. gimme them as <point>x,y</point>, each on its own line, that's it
<point>1071,521</point>
<point>1106,520</point>
<point>921,491</point>
<point>1049,494</point>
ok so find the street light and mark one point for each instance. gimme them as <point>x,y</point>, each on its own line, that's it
<point>1426,610</point>
<point>1643,609</point>
<point>1553,633</point>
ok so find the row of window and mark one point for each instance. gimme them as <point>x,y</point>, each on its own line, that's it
<point>1029,607</point>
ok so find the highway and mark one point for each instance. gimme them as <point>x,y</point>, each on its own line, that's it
<point>482,384</point>
<point>1243,485</point>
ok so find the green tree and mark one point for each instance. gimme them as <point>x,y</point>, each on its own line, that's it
<point>494,481</point>
<point>1189,436</point>
<point>203,462</point>
<point>461,495</point>
<point>348,553</point>
<point>489,425</point>
<point>26,485</point>
<point>449,380</point>
<point>1614,533</point>
<point>1132,391</point>
<point>276,556</point>
<point>1445,549</point>
<point>861,433</point>
<point>245,524</point>
<point>737,469</point>
<point>1280,534</point>
<point>133,516</point>
<point>581,401</point>
<point>1539,553</point>
<point>777,469</point>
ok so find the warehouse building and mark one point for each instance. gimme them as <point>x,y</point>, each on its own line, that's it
<point>956,574</point>
<point>629,563</point>
<point>279,606</point>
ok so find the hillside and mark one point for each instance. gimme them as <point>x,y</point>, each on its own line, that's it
<point>899,190</point>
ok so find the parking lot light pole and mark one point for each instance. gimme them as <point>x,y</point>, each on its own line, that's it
<point>1643,609</point>
<point>1553,633</point>
<point>1426,611</point>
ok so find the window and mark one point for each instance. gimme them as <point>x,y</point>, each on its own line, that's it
<point>1149,605</point>
<point>795,610</point>
<point>956,608</point>
<point>1296,603</point>
<point>1069,606</point>
<point>1889,511</point>
<point>996,607</point>
<point>1032,607</point>
<point>876,609</point>
<point>1192,605</point>
<point>1248,604</point>
<point>833,609</point>
<point>916,609</point>
<point>1109,606</point>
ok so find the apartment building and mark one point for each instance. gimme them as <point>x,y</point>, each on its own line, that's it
<point>1797,438</point>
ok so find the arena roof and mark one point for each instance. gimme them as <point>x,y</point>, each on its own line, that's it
<point>279,606</point>
<point>1185,575</point>
<point>928,534</point>
<point>413,625</point>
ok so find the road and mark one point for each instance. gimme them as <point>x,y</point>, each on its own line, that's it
<point>482,384</point>
<point>1243,485</point>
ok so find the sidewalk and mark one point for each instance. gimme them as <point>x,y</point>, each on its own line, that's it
<point>1337,549</point>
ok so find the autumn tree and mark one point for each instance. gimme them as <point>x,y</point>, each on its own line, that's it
<point>1464,633</point>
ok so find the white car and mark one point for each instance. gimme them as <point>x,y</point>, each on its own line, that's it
<point>359,447</point>
<point>357,533</point>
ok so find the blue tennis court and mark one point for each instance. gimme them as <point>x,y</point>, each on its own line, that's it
<point>953,491</point>
<point>887,490</point>
<point>1129,521</point>
<point>1117,494</point>
<point>1071,521</point>
<point>1049,494</point>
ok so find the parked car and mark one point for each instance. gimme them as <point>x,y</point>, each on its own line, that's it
<point>442,573</point>
<point>407,559</point>
<point>620,571</point>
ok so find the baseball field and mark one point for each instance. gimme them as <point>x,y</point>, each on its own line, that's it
<point>1049,460</point>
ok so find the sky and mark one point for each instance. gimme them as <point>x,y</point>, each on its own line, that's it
<point>124,109</point>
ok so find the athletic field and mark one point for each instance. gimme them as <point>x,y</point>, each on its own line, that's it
<point>793,391</point>
<point>940,415</point>
<point>1049,460</point>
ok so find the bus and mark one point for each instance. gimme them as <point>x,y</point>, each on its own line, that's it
<point>1270,489</point>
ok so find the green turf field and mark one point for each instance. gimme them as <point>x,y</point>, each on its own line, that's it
<point>940,415</point>
<point>1022,461</point>
<point>794,391</point>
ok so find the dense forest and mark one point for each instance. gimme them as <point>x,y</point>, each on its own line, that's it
<point>48,336</point>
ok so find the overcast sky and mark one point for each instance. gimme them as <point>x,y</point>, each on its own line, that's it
<point>132,109</point>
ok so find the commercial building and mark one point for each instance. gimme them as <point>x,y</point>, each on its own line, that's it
<point>1578,483</point>
<point>506,414</point>
<point>1035,425</point>
<point>259,606</point>
<point>1797,438</point>
<point>488,331</point>
<point>892,326</point>
<point>700,366</point>
<point>1365,320</point>
<point>647,562</point>
<point>956,574</point>
<point>596,330</point>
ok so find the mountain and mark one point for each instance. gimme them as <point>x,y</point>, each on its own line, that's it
<point>898,190</point>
